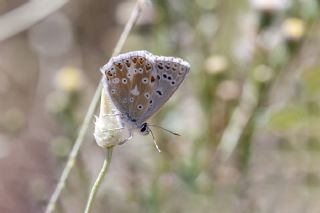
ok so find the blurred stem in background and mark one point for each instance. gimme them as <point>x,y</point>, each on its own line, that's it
<point>15,22</point>
<point>297,34</point>
<point>237,120</point>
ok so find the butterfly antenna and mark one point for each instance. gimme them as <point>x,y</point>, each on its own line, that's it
<point>154,141</point>
<point>174,133</point>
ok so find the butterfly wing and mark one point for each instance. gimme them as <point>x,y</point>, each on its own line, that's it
<point>170,74</point>
<point>129,79</point>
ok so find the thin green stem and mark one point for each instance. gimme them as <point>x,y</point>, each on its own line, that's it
<point>74,152</point>
<point>85,125</point>
<point>104,170</point>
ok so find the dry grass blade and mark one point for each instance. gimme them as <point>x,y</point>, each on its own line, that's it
<point>238,121</point>
<point>26,15</point>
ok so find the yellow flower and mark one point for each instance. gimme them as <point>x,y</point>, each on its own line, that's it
<point>216,64</point>
<point>69,79</point>
<point>293,28</point>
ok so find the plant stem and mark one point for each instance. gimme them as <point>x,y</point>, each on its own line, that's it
<point>74,152</point>
<point>104,170</point>
<point>85,125</point>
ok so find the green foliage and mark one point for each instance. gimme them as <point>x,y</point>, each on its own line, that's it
<point>289,118</point>
<point>311,80</point>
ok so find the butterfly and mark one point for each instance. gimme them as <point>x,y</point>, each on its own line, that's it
<point>139,84</point>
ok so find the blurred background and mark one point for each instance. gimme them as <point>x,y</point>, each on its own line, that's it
<point>248,113</point>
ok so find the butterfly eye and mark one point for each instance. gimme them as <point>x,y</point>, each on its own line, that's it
<point>169,77</point>
<point>140,107</point>
<point>144,129</point>
<point>173,83</point>
<point>164,75</point>
<point>131,99</point>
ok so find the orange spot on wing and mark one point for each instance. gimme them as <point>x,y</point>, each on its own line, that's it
<point>135,59</point>
<point>109,73</point>
<point>119,66</point>
<point>148,67</point>
<point>152,79</point>
<point>141,60</point>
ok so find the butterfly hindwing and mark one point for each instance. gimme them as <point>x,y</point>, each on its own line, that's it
<point>170,74</point>
<point>117,84</point>
<point>141,86</point>
<point>130,82</point>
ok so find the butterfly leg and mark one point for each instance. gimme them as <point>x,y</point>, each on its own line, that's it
<point>113,114</point>
<point>154,140</point>
<point>127,139</point>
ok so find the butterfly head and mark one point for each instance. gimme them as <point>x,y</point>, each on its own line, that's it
<point>133,124</point>
<point>144,129</point>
